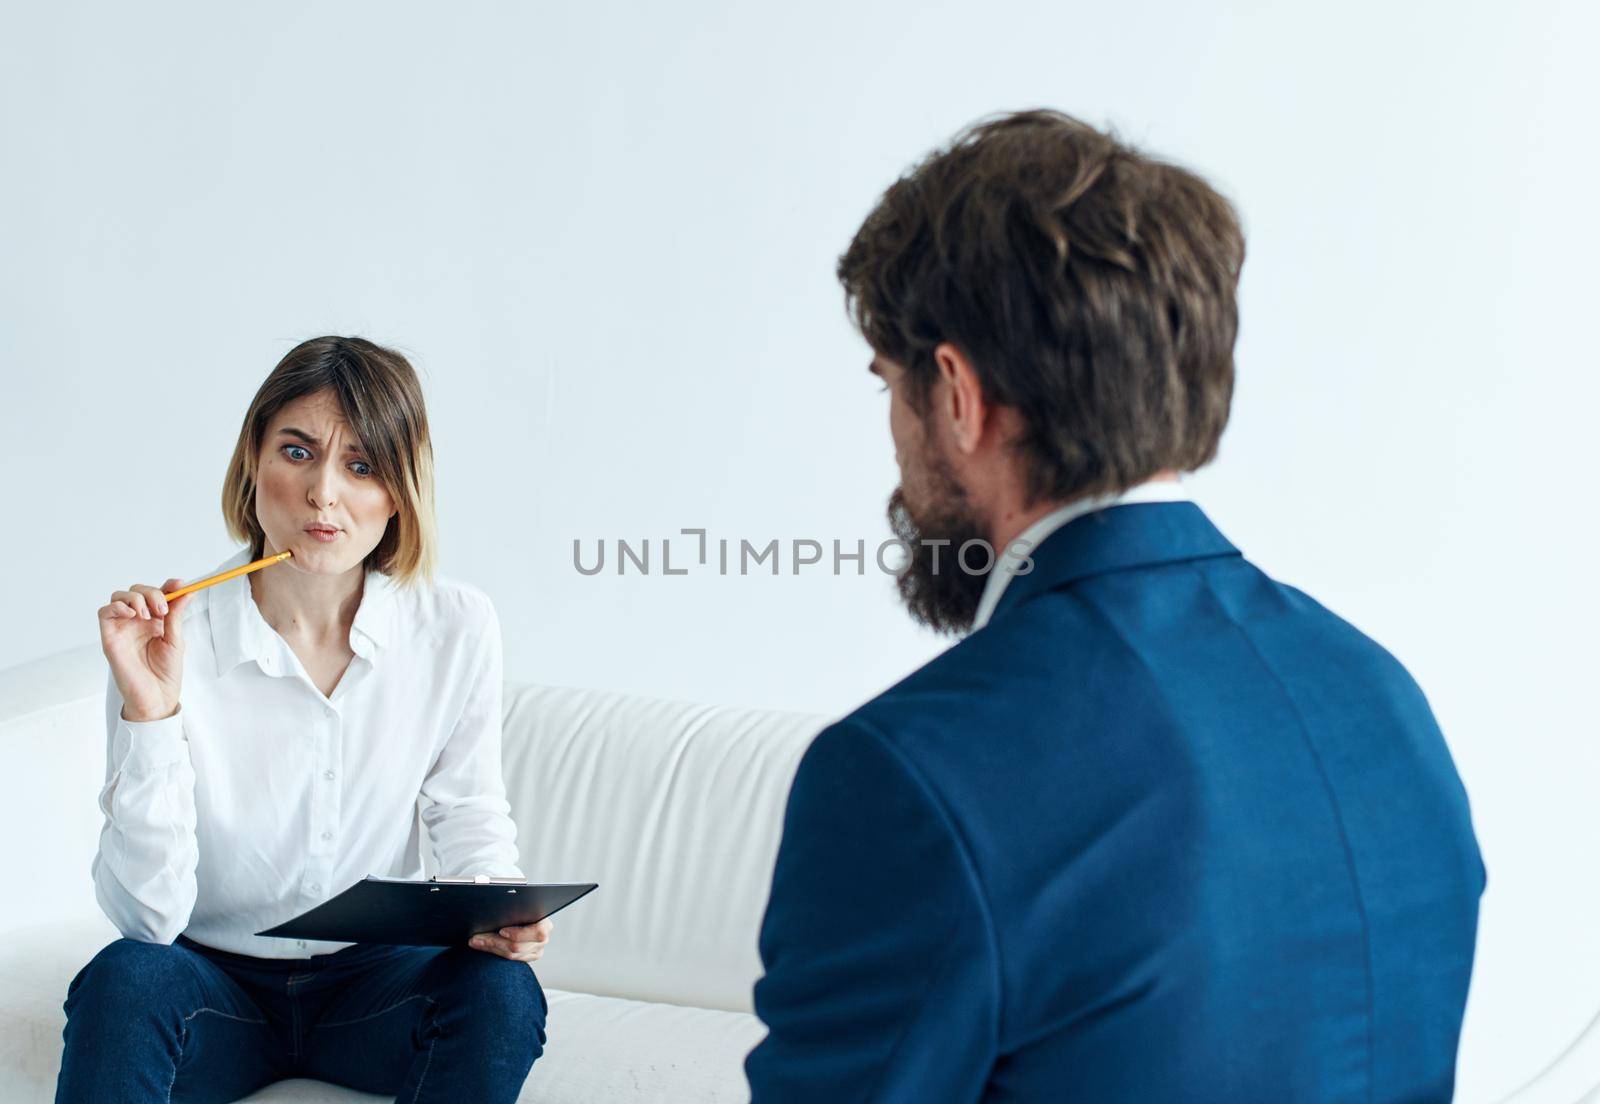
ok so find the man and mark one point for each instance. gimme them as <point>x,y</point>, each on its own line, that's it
<point>1160,828</point>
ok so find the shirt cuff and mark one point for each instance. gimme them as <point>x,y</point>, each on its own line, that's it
<point>154,745</point>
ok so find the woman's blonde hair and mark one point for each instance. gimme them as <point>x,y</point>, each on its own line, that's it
<point>381,398</point>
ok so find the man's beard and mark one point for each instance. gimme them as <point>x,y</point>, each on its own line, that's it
<point>937,590</point>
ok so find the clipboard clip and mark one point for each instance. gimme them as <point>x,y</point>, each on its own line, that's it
<point>477,879</point>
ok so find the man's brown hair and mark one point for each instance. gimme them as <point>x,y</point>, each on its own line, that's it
<point>381,398</point>
<point>1092,287</point>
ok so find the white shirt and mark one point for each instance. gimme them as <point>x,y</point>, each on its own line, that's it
<point>261,797</point>
<point>1017,552</point>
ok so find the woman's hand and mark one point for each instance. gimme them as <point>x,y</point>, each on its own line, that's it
<point>524,944</point>
<point>142,637</point>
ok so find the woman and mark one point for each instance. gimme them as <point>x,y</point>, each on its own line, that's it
<point>268,740</point>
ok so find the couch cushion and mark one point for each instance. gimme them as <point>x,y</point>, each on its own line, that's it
<point>675,809</point>
<point>598,1048</point>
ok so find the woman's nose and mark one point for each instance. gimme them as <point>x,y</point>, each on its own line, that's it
<point>322,493</point>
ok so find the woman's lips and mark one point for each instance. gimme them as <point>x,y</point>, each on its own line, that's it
<point>324,535</point>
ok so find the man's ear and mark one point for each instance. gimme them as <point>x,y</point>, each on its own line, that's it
<point>962,402</point>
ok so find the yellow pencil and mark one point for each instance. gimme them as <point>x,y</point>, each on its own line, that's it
<point>226,575</point>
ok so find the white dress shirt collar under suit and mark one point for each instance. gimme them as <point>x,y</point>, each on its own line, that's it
<point>1030,538</point>
<point>262,797</point>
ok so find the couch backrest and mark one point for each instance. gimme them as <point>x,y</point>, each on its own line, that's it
<point>675,809</point>
<point>53,754</point>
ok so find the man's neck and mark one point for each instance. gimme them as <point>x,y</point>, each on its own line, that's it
<point>1013,523</point>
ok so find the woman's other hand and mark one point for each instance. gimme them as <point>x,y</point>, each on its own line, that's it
<point>524,944</point>
<point>142,637</point>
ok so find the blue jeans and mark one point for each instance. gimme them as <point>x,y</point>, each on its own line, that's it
<point>185,1022</point>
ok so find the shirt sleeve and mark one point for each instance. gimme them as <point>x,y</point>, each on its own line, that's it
<point>467,815</point>
<point>144,870</point>
<point>882,975</point>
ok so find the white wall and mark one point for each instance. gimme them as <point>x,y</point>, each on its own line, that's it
<point>606,235</point>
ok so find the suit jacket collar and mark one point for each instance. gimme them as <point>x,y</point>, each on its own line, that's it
<point>1116,539</point>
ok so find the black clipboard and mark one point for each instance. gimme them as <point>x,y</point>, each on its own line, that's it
<point>439,912</point>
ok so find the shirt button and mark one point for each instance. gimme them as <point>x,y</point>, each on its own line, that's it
<point>327,835</point>
<point>327,774</point>
<point>313,887</point>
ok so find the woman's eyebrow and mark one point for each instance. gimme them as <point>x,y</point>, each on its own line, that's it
<point>309,439</point>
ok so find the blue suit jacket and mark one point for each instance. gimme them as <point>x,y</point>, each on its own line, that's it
<point>1164,830</point>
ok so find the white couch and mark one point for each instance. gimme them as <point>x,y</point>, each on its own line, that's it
<point>675,809</point>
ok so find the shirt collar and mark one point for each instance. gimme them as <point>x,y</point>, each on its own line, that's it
<point>1017,552</point>
<point>239,633</point>
<point>373,627</point>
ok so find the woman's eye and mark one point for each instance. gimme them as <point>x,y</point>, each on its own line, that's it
<point>294,448</point>
<point>366,469</point>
